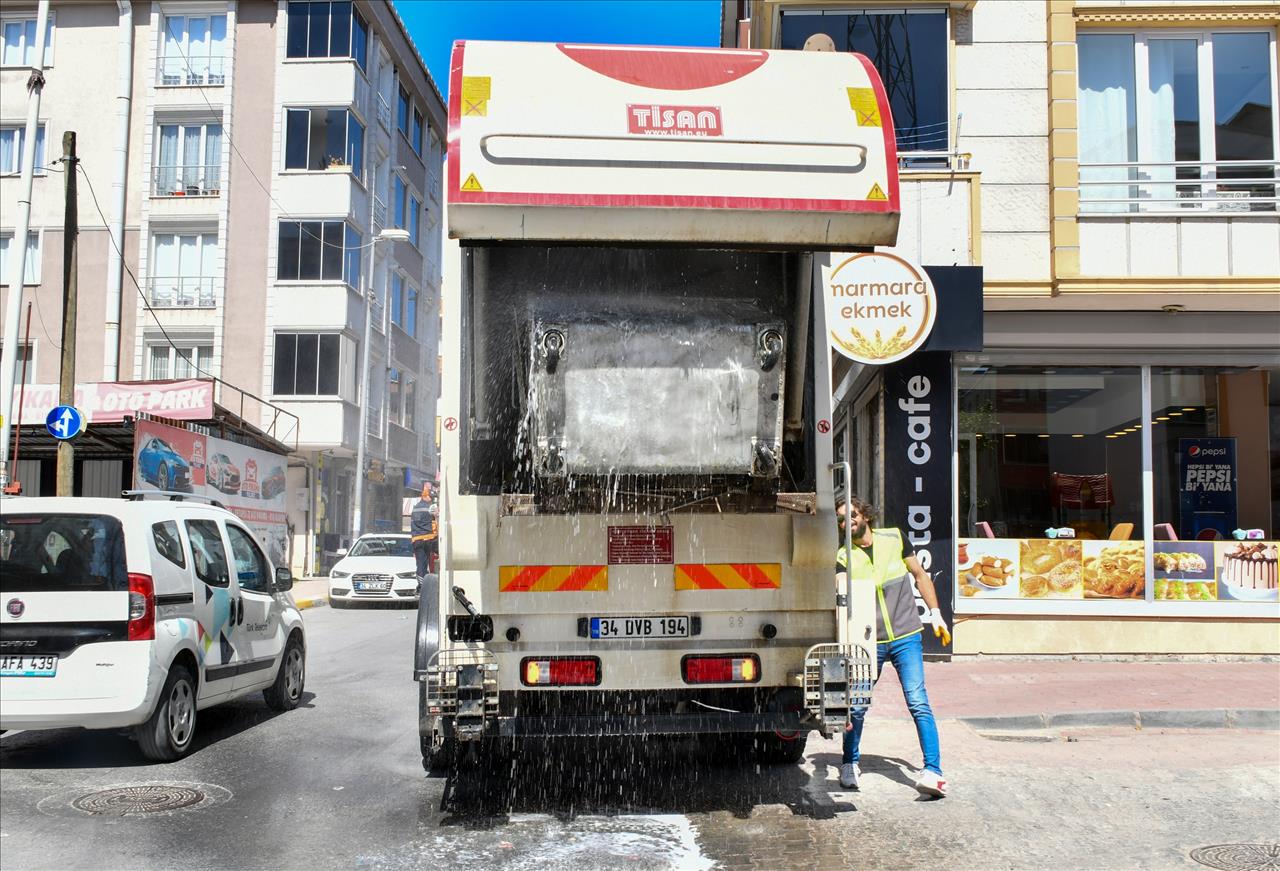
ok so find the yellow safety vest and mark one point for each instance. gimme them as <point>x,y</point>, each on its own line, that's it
<point>897,615</point>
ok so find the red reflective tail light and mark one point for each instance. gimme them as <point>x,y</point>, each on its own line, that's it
<point>142,608</point>
<point>564,671</point>
<point>735,668</point>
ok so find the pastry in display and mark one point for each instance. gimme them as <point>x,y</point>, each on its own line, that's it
<point>1179,562</point>
<point>969,590</point>
<point>1250,565</point>
<point>990,571</point>
<point>1185,591</point>
<point>1050,566</point>
<point>1117,572</point>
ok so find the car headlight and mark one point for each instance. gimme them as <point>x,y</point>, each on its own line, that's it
<point>337,574</point>
<point>406,574</point>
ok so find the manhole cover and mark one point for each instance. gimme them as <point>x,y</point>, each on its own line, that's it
<point>129,800</point>
<point>1239,857</point>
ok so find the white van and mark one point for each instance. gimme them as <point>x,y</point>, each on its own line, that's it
<point>138,613</point>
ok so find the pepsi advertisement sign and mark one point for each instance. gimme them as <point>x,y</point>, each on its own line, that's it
<point>1206,486</point>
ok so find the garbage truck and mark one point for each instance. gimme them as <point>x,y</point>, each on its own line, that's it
<point>637,489</point>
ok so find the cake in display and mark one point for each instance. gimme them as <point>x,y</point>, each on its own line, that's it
<point>1250,565</point>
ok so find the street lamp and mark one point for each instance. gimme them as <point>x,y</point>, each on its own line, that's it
<point>390,234</point>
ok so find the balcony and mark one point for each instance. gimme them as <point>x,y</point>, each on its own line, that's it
<point>1180,187</point>
<point>184,292</point>
<point>179,71</point>
<point>188,180</point>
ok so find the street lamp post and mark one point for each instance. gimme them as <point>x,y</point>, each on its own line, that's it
<point>391,234</point>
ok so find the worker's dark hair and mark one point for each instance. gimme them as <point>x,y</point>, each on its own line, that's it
<point>862,506</point>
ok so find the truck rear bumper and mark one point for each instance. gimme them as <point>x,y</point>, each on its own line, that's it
<point>605,725</point>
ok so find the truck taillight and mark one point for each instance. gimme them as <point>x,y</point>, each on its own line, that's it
<point>564,671</point>
<point>142,608</point>
<point>739,668</point>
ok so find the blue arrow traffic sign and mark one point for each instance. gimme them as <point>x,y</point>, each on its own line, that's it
<point>64,422</point>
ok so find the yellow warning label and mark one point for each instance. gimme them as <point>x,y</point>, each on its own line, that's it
<point>864,105</point>
<point>875,194</point>
<point>473,184</point>
<point>475,95</point>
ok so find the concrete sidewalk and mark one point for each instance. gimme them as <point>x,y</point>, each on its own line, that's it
<point>310,592</point>
<point>999,693</point>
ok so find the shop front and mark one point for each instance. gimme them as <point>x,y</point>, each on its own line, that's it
<point>1116,480</point>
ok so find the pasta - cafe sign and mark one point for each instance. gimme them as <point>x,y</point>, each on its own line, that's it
<point>880,307</point>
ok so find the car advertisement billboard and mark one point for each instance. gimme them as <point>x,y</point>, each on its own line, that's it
<point>248,481</point>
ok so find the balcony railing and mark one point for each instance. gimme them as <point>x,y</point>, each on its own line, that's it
<point>384,113</point>
<point>199,180</point>
<point>1180,187</point>
<point>379,215</point>
<point>182,71</point>
<point>182,292</point>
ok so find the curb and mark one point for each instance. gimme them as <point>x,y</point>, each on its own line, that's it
<point>313,602</point>
<point>1214,718</point>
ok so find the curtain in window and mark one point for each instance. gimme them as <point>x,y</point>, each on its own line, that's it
<point>182,363</point>
<point>13,42</point>
<point>164,282</point>
<point>10,141</point>
<point>217,48</point>
<point>197,50</point>
<point>208,268</point>
<point>192,169</point>
<point>1107,118</point>
<point>167,174</point>
<point>173,64</point>
<point>213,158</point>
<point>30,267</point>
<point>159,362</point>
<point>1172,128</point>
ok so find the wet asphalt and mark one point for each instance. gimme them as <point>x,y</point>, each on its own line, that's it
<point>338,783</point>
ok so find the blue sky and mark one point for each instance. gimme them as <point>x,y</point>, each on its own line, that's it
<point>435,24</point>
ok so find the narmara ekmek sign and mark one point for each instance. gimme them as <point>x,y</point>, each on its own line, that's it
<point>880,307</point>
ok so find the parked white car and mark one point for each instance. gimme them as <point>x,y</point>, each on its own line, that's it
<point>378,567</point>
<point>139,613</point>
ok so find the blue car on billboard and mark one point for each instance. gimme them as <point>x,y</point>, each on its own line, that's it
<point>161,465</point>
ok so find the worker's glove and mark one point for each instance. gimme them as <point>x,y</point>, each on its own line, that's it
<point>939,625</point>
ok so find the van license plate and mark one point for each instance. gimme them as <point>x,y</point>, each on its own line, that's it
<point>28,666</point>
<point>640,627</point>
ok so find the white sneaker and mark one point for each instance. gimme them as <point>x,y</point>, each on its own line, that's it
<point>932,784</point>
<point>849,773</point>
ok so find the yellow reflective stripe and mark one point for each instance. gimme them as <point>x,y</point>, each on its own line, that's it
<point>728,576</point>
<point>552,579</point>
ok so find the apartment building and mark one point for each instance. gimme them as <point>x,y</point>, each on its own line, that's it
<point>1114,168</point>
<point>269,144</point>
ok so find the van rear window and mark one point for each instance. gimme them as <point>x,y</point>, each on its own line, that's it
<point>61,552</point>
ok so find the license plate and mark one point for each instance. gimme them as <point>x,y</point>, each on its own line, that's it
<point>28,666</point>
<point>373,585</point>
<point>639,627</point>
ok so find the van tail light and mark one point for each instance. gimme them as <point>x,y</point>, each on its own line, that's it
<point>142,608</point>
<point>564,671</point>
<point>739,668</point>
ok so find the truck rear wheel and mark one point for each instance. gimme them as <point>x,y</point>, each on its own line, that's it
<point>773,749</point>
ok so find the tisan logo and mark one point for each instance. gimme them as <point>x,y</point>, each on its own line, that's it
<point>655,120</point>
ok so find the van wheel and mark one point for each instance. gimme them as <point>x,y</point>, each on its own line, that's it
<point>167,733</point>
<point>286,692</point>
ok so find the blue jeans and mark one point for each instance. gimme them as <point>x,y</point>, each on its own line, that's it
<point>907,657</point>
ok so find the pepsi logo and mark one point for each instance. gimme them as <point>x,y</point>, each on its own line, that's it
<point>1193,451</point>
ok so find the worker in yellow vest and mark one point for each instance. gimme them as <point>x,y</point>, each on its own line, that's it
<point>884,558</point>
<point>424,527</point>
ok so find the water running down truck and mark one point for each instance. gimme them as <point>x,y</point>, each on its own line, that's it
<point>637,483</point>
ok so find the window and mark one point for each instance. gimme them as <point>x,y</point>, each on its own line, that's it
<point>307,364</point>
<point>327,29</point>
<point>11,138</point>
<point>25,364</point>
<point>321,138</point>
<point>402,111</point>
<point>395,395</point>
<point>194,50</point>
<point>184,269</point>
<point>409,390</point>
<point>183,361</point>
<point>411,311</point>
<point>401,195</point>
<point>18,42</point>
<point>189,160</point>
<point>30,267</point>
<point>415,212</point>
<point>168,545</point>
<point>1175,120</point>
<point>1213,446</point>
<point>397,298</point>
<point>318,251</point>
<point>207,553</point>
<point>253,572</point>
<point>417,131</point>
<point>909,49</point>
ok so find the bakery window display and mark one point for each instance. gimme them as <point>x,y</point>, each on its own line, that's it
<point>988,568</point>
<point>1115,570</point>
<point>1248,569</point>
<point>1051,569</point>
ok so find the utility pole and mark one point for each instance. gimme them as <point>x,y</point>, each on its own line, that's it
<point>9,417</point>
<point>67,377</point>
